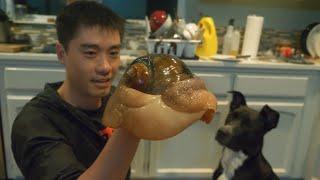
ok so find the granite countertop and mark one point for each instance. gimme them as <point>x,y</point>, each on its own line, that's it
<point>126,59</point>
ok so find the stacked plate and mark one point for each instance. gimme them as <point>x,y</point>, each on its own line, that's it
<point>310,40</point>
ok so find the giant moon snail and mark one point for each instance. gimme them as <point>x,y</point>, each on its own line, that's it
<point>157,98</point>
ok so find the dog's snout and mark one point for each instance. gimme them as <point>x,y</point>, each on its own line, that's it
<point>224,134</point>
<point>225,130</point>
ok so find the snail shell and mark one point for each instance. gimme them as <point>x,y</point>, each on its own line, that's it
<point>158,97</point>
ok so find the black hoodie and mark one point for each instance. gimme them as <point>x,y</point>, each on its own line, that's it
<point>51,139</point>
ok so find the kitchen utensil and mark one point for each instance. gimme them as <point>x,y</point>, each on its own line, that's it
<point>148,28</point>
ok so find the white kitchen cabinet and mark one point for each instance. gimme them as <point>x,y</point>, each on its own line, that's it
<point>292,90</point>
<point>313,156</point>
<point>192,153</point>
<point>15,104</point>
<point>291,95</point>
<point>280,143</point>
<point>181,157</point>
<point>21,84</point>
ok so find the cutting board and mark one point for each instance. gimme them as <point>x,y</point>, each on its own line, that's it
<point>13,47</point>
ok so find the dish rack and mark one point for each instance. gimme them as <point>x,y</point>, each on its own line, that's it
<point>176,47</point>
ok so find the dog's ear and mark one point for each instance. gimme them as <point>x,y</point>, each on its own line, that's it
<point>269,117</point>
<point>237,100</point>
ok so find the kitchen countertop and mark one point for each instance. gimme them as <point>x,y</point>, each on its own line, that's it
<point>258,64</point>
<point>23,56</point>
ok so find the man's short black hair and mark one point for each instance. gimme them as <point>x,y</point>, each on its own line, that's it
<point>86,14</point>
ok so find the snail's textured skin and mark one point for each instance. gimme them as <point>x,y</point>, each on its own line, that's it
<point>157,98</point>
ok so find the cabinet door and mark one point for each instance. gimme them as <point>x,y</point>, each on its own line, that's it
<point>218,83</point>
<point>15,104</point>
<point>312,167</point>
<point>139,163</point>
<point>271,85</point>
<point>280,143</point>
<point>192,153</point>
<point>31,78</point>
<point>315,171</point>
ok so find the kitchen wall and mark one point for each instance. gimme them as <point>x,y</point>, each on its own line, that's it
<point>139,8</point>
<point>127,8</point>
<point>277,16</point>
<point>284,19</point>
<point>281,22</point>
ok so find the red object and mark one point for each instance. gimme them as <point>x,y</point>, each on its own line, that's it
<point>157,18</point>
<point>107,132</point>
<point>207,116</point>
<point>286,51</point>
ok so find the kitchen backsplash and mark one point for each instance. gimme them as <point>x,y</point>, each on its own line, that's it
<point>135,33</point>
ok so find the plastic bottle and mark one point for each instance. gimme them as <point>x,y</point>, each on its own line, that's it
<point>209,45</point>
<point>227,39</point>
<point>235,43</point>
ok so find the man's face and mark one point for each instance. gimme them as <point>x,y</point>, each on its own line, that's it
<point>92,60</point>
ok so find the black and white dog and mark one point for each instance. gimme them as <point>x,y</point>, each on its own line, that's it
<point>242,138</point>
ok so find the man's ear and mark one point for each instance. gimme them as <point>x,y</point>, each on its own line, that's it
<point>269,117</point>
<point>61,53</point>
<point>237,100</point>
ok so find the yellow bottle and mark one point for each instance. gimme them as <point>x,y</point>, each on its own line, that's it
<point>209,45</point>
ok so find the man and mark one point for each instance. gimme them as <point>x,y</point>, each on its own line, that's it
<point>57,135</point>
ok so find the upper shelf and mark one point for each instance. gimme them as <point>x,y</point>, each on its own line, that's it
<point>36,19</point>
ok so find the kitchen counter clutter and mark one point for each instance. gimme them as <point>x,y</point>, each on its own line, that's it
<point>291,89</point>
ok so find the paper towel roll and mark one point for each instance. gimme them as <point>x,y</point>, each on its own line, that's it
<point>252,35</point>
